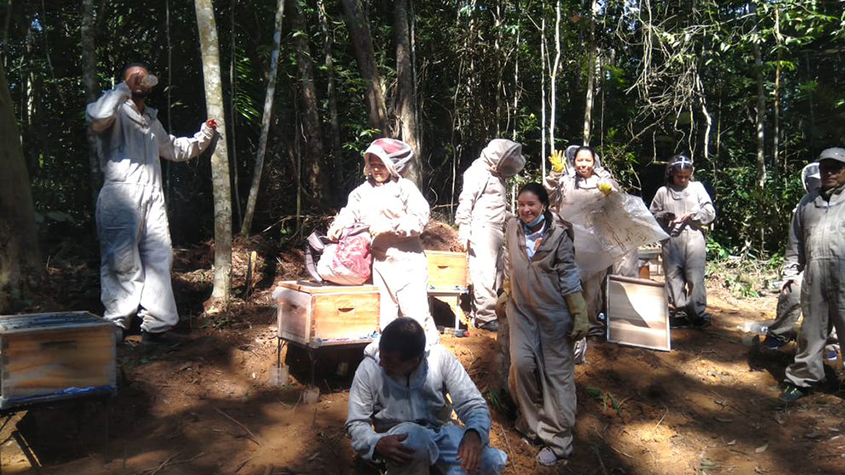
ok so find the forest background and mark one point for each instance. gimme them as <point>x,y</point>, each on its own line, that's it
<point>752,90</point>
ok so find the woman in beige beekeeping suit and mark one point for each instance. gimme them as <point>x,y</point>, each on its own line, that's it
<point>396,213</point>
<point>482,209</point>
<point>684,208</point>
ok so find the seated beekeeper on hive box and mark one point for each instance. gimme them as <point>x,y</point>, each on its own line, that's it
<point>135,250</point>
<point>399,411</point>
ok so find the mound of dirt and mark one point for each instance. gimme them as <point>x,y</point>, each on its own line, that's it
<point>439,236</point>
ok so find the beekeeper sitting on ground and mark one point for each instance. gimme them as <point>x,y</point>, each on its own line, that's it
<point>135,250</point>
<point>396,213</point>
<point>399,411</point>
<point>481,214</point>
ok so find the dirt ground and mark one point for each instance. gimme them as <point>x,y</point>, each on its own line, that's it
<point>205,406</point>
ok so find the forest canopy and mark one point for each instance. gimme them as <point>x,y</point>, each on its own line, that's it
<point>751,90</point>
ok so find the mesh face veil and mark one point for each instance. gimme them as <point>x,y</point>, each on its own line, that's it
<point>396,156</point>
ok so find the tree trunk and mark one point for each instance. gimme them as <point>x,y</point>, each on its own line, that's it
<point>543,97</point>
<point>761,117</point>
<point>591,74</point>
<point>776,128</point>
<point>331,91</point>
<point>362,44</point>
<point>20,259</point>
<point>316,177</point>
<point>553,80</point>
<point>265,121</point>
<point>89,80</point>
<point>210,53</point>
<point>405,101</point>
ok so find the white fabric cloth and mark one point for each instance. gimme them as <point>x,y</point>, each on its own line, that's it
<point>817,247</point>
<point>400,268</point>
<point>135,249</point>
<point>381,405</point>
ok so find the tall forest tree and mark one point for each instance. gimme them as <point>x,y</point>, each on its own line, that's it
<point>405,102</point>
<point>20,258</point>
<point>210,54</point>
<point>362,44</point>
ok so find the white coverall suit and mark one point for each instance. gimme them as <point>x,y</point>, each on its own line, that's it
<point>542,360</point>
<point>685,252</point>
<point>135,250</point>
<point>481,214</point>
<point>381,405</point>
<point>569,189</point>
<point>817,246</point>
<point>400,268</point>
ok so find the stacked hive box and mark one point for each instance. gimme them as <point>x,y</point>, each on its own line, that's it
<point>447,278</point>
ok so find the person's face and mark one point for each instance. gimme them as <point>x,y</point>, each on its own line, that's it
<point>378,170</point>
<point>133,77</point>
<point>393,365</point>
<point>529,206</point>
<point>832,173</point>
<point>682,177</point>
<point>584,163</point>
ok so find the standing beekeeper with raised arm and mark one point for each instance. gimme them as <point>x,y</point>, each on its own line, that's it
<point>817,246</point>
<point>396,213</point>
<point>481,214</point>
<point>135,249</point>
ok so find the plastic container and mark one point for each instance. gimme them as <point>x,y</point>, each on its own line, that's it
<point>757,328</point>
<point>150,80</point>
<point>278,375</point>
<point>310,395</point>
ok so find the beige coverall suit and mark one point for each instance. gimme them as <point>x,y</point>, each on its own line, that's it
<point>541,352</point>
<point>400,268</point>
<point>685,252</point>
<point>481,214</point>
<point>817,246</point>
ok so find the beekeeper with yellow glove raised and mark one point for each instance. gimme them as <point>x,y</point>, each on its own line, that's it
<point>396,213</point>
<point>481,214</point>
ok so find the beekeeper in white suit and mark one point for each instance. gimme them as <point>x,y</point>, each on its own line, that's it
<point>817,246</point>
<point>135,249</point>
<point>684,208</point>
<point>396,213</point>
<point>481,214</point>
<point>399,411</point>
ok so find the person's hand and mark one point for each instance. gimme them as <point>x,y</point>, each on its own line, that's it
<point>381,226</point>
<point>786,286</point>
<point>683,219</point>
<point>334,233</point>
<point>134,80</point>
<point>605,188</point>
<point>469,452</point>
<point>557,161</point>
<point>578,310</point>
<point>463,237</point>
<point>211,123</point>
<point>391,449</point>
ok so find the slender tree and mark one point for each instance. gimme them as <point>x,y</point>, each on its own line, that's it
<point>362,44</point>
<point>265,121</point>
<point>210,53</point>
<point>20,258</point>
<point>405,101</point>
<point>331,86</point>
<point>92,91</point>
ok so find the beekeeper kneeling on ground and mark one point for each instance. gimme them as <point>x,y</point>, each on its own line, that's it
<point>396,213</point>
<point>135,250</point>
<point>481,213</point>
<point>399,411</point>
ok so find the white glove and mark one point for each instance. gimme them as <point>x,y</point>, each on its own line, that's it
<point>334,232</point>
<point>464,234</point>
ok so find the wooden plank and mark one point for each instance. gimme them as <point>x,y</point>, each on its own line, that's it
<point>294,315</point>
<point>345,315</point>
<point>446,270</point>
<point>326,289</point>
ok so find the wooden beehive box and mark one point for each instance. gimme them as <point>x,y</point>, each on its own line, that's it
<point>51,356</point>
<point>320,315</point>
<point>446,270</point>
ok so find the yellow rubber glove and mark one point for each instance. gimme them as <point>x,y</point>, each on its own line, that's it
<point>605,188</point>
<point>557,161</point>
<point>578,309</point>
